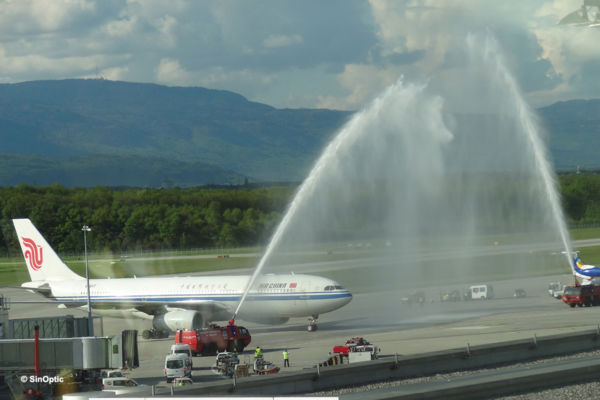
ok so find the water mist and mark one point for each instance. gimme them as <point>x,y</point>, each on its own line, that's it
<point>435,177</point>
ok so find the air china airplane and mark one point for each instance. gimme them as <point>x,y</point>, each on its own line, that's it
<point>177,302</point>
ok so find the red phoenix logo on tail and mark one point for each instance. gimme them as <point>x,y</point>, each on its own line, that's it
<point>33,254</point>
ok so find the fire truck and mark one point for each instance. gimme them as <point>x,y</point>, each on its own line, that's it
<point>581,295</point>
<point>215,339</point>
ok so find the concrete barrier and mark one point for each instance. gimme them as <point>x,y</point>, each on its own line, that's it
<point>401,367</point>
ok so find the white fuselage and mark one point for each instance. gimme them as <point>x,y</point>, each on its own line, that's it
<point>278,296</point>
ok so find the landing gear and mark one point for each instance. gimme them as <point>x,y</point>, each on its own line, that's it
<point>312,323</point>
<point>155,334</point>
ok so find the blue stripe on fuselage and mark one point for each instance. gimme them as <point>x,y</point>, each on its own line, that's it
<point>190,298</point>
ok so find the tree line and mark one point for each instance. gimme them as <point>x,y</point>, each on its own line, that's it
<point>133,219</point>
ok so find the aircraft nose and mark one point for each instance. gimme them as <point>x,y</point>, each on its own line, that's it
<point>346,299</point>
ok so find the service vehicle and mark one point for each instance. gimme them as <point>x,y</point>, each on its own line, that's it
<point>182,348</point>
<point>556,289</point>
<point>226,362</point>
<point>450,296</point>
<point>481,292</point>
<point>176,366</point>
<point>586,295</point>
<point>417,297</point>
<point>182,381</point>
<point>264,367</point>
<point>215,339</point>
<point>362,353</point>
<point>350,344</point>
<point>520,293</point>
<point>121,385</point>
<point>112,373</point>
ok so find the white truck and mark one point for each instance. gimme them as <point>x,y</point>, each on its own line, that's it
<point>366,352</point>
<point>481,292</point>
<point>556,289</point>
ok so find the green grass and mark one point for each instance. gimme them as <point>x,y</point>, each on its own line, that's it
<point>13,271</point>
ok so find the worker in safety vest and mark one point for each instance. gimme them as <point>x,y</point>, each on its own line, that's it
<point>286,358</point>
<point>258,352</point>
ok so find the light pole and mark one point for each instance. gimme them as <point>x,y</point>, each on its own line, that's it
<point>86,229</point>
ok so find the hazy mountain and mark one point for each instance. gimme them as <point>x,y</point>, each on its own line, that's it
<point>99,132</point>
<point>574,128</point>
<point>192,125</point>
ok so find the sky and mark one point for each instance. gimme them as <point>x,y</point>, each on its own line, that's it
<point>336,54</point>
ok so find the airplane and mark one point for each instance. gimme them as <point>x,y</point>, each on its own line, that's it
<point>587,15</point>
<point>175,302</point>
<point>586,272</point>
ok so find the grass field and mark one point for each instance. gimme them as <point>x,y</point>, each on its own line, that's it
<point>13,271</point>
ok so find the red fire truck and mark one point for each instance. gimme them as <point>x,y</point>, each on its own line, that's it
<point>586,295</point>
<point>214,339</point>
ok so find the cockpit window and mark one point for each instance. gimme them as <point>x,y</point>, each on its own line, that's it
<point>332,287</point>
<point>329,287</point>
<point>338,287</point>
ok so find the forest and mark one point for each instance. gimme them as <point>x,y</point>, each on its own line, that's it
<point>128,219</point>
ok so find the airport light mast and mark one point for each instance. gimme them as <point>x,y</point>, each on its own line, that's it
<point>86,229</point>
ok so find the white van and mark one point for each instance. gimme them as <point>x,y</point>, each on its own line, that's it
<point>177,366</point>
<point>182,348</point>
<point>482,292</point>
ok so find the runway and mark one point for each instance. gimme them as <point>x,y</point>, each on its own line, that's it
<point>375,313</point>
<point>379,317</point>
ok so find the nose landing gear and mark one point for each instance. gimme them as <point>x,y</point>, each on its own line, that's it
<point>312,323</point>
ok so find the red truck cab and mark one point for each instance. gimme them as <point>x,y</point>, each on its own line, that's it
<point>214,339</point>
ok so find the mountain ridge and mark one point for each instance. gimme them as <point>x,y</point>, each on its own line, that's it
<point>63,122</point>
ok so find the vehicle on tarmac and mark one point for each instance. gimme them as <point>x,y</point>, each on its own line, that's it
<point>264,367</point>
<point>363,353</point>
<point>520,293</point>
<point>581,295</point>
<point>121,385</point>
<point>417,297</point>
<point>481,292</point>
<point>215,339</point>
<point>182,348</point>
<point>556,289</point>
<point>176,366</point>
<point>177,302</point>
<point>182,381</point>
<point>452,296</point>
<point>350,345</point>
<point>112,373</point>
<point>226,362</point>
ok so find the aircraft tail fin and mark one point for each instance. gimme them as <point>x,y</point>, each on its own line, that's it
<point>43,264</point>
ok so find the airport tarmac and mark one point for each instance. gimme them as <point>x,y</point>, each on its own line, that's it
<point>380,317</point>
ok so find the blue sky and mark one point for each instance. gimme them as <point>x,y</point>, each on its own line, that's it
<point>313,54</point>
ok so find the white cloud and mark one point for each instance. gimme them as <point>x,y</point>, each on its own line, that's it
<point>274,41</point>
<point>171,72</point>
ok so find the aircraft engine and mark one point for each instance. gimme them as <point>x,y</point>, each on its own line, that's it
<point>174,320</point>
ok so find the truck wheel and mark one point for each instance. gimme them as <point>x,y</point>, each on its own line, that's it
<point>146,334</point>
<point>572,305</point>
<point>239,346</point>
